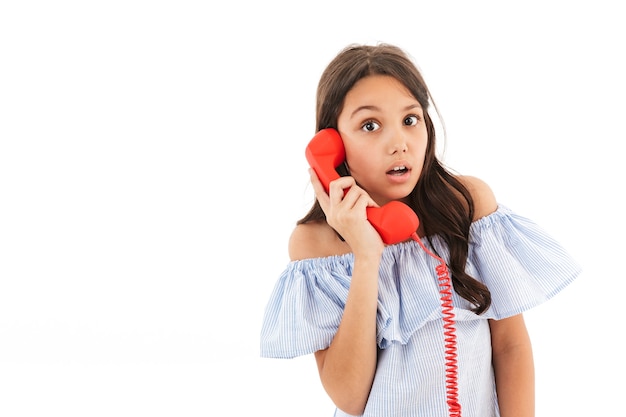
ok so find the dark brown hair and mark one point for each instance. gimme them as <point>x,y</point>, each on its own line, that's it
<point>444,206</point>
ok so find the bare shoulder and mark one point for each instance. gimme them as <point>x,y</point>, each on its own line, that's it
<point>315,240</point>
<point>485,201</point>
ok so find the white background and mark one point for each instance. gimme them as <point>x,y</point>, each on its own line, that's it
<point>152,167</point>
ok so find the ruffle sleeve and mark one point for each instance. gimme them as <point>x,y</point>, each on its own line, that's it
<point>305,307</point>
<point>521,264</point>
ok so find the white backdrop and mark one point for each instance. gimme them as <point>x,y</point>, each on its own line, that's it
<point>152,167</point>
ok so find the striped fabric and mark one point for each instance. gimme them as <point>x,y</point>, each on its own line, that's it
<point>521,264</point>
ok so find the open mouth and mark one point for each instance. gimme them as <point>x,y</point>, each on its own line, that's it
<point>399,170</point>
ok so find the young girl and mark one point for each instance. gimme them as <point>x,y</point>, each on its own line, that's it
<point>372,313</point>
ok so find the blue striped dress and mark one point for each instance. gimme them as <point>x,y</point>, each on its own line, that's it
<point>518,261</point>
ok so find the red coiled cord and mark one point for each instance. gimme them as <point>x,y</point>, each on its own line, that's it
<point>445,284</point>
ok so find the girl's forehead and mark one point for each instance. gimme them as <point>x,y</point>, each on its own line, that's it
<point>375,87</point>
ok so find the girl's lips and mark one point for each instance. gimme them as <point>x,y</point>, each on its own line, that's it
<point>399,172</point>
<point>399,165</point>
<point>399,177</point>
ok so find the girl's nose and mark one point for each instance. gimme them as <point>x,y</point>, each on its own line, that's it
<point>398,143</point>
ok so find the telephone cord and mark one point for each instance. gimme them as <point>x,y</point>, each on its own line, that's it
<point>445,285</point>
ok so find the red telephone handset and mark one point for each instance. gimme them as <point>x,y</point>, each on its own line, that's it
<point>395,221</point>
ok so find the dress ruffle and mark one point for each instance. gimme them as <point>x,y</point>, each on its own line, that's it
<point>519,262</point>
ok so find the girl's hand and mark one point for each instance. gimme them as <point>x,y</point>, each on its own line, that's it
<point>347,214</point>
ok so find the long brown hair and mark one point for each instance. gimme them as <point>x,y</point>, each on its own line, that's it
<point>445,207</point>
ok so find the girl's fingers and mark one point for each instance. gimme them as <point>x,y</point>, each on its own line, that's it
<point>342,191</point>
<point>336,189</point>
<point>320,192</point>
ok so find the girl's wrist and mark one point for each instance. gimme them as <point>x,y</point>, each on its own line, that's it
<point>368,259</point>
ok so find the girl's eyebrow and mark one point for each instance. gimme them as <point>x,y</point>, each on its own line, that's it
<point>360,108</point>
<point>374,108</point>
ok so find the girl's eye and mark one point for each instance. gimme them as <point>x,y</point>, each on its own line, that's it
<point>370,126</point>
<point>411,120</point>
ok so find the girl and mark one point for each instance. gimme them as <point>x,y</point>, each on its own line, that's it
<point>372,313</point>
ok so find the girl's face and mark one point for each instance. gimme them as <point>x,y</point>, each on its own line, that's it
<point>383,131</point>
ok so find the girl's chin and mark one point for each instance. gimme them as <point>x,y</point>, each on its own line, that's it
<point>403,198</point>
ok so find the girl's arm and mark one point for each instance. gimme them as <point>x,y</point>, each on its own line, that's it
<point>348,365</point>
<point>511,348</point>
<point>513,366</point>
